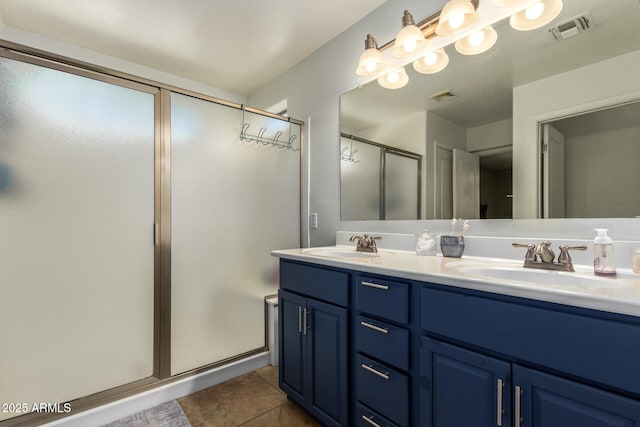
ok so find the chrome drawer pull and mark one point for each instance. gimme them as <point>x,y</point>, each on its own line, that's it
<point>374,327</point>
<point>499,422</point>
<point>375,285</point>
<point>375,371</point>
<point>517,406</point>
<point>304,321</point>
<point>370,421</point>
<point>299,319</point>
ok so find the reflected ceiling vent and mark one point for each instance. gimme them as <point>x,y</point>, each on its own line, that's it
<point>573,26</point>
<point>444,95</point>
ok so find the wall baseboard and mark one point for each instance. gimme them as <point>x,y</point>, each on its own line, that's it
<point>123,408</point>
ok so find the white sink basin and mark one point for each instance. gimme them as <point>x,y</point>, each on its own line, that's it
<point>340,253</point>
<point>528,275</point>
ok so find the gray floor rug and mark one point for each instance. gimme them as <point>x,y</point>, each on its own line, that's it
<point>168,414</point>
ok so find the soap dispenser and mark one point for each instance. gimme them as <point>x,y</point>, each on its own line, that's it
<point>604,263</point>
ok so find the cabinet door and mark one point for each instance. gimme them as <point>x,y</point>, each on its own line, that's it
<point>292,352</point>
<point>546,401</point>
<point>461,388</point>
<point>327,389</point>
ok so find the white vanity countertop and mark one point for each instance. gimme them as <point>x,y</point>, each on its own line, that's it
<point>580,288</point>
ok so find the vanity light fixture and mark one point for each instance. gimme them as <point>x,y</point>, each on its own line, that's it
<point>409,40</point>
<point>537,15</point>
<point>432,62</point>
<point>394,79</point>
<point>457,16</point>
<point>371,61</point>
<point>477,42</point>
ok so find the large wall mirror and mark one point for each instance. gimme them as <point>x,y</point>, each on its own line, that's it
<point>537,127</point>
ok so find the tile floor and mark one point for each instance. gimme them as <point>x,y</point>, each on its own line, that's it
<point>250,400</point>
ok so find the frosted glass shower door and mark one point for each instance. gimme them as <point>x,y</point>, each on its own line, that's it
<point>402,186</point>
<point>232,202</point>
<point>359,180</point>
<point>76,241</point>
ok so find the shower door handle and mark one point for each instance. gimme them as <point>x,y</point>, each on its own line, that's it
<point>156,234</point>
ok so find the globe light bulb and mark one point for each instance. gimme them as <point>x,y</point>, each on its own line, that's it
<point>370,65</point>
<point>430,58</point>
<point>393,77</point>
<point>456,20</point>
<point>410,45</point>
<point>475,39</point>
<point>534,11</point>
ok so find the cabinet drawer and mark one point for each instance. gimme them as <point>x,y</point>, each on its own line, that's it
<point>384,298</point>
<point>365,417</point>
<point>383,389</point>
<point>383,341</point>
<point>591,347</point>
<point>319,283</point>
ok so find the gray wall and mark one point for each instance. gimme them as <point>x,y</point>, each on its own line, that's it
<point>601,163</point>
<point>312,89</point>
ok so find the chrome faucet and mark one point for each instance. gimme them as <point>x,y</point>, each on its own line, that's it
<point>544,252</point>
<point>365,243</point>
<point>541,256</point>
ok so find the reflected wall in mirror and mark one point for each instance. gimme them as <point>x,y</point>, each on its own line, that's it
<point>494,106</point>
<point>590,164</point>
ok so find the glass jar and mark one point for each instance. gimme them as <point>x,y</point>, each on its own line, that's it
<point>425,244</point>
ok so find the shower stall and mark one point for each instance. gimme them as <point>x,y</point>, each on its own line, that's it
<point>136,222</point>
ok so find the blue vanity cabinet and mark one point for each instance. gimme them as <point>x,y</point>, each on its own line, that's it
<point>382,345</point>
<point>462,388</point>
<point>465,388</point>
<point>363,349</point>
<point>365,417</point>
<point>576,347</point>
<point>292,351</point>
<point>547,400</point>
<point>313,342</point>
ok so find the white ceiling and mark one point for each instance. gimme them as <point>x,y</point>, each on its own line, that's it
<point>237,45</point>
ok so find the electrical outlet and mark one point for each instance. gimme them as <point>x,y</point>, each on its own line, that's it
<point>313,220</point>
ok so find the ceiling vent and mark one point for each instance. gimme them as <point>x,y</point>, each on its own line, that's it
<point>573,26</point>
<point>442,95</point>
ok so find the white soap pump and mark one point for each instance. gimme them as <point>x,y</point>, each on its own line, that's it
<point>604,263</point>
